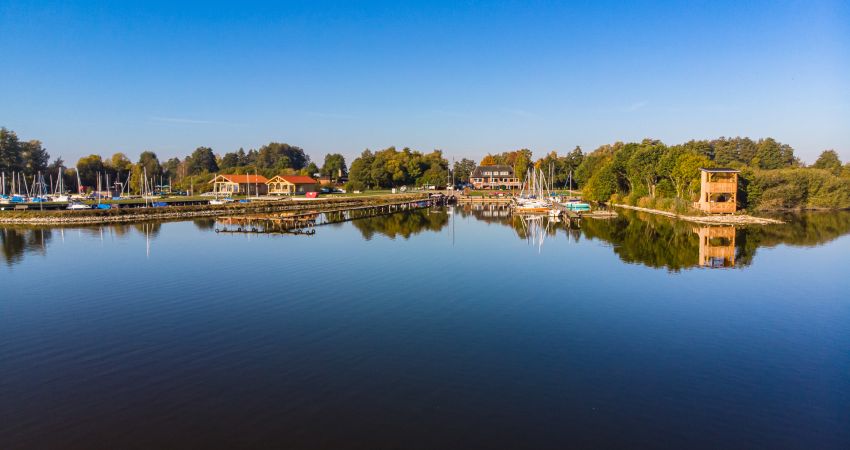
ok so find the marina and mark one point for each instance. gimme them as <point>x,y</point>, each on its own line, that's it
<point>425,225</point>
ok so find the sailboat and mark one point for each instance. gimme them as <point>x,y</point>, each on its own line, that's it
<point>39,189</point>
<point>572,203</point>
<point>532,197</point>
<point>4,198</point>
<point>59,194</point>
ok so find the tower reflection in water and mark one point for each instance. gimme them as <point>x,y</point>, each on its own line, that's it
<point>716,246</point>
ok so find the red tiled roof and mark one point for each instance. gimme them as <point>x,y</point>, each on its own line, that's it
<point>245,178</point>
<point>299,179</point>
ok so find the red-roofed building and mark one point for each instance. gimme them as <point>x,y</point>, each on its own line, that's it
<point>292,184</point>
<point>240,184</point>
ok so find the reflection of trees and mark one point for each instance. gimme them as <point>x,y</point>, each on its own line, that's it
<point>402,224</point>
<point>204,223</point>
<point>120,229</point>
<point>647,239</point>
<point>18,241</point>
<point>661,242</point>
<point>149,229</point>
<point>806,230</point>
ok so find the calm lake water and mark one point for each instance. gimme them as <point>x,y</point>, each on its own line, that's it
<point>431,329</point>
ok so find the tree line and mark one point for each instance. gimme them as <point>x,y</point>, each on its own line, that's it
<point>649,171</point>
<point>193,171</point>
<point>390,168</point>
<point>668,177</point>
<point>657,175</point>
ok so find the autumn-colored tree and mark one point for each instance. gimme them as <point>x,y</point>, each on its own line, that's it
<point>488,160</point>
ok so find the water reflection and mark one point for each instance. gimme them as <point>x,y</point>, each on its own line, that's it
<point>18,241</point>
<point>660,242</point>
<point>716,246</point>
<point>636,238</point>
<point>403,225</point>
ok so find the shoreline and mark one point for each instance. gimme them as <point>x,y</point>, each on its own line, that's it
<point>730,219</point>
<point>93,217</point>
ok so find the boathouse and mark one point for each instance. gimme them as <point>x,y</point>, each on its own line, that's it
<point>291,184</point>
<point>718,191</point>
<point>494,177</point>
<point>240,184</point>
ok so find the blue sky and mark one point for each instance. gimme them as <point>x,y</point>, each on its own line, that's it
<point>467,77</point>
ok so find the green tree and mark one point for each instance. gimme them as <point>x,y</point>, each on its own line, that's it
<point>34,157</point>
<point>312,169</point>
<point>571,164</point>
<point>829,160</point>
<point>149,164</point>
<point>773,155</point>
<point>522,163</point>
<point>119,162</point>
<point>603,184</point>
<point>10,151</point>
<point>463,169</point>
<point>591,163</point>
<point>171,169</point>
<point>731,151</point>
<point>202,160</point>
<point>703,148</point>
<point>360,174</point>
<point>643,165</point>
<point>230,160</point>
<point>334,166</point>
<point>685,174</point>
<point>89,169</point>
<point>276,155</point>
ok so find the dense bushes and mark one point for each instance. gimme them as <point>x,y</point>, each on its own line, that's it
<point>797,188</point>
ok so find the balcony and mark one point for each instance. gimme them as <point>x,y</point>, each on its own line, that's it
<point>721,187</point>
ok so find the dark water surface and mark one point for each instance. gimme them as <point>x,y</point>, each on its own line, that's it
<point>428,330</point>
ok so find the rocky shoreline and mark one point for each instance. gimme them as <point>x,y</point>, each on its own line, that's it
<point>729,219</point>
<point>89,217</point>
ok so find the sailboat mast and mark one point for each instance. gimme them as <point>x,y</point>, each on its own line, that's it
<point>144,189</point>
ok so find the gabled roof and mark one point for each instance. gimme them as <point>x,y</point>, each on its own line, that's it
<point>719,170</point>
<point>294,179</point>
<point>478,172</point>
<point>242,179</point>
